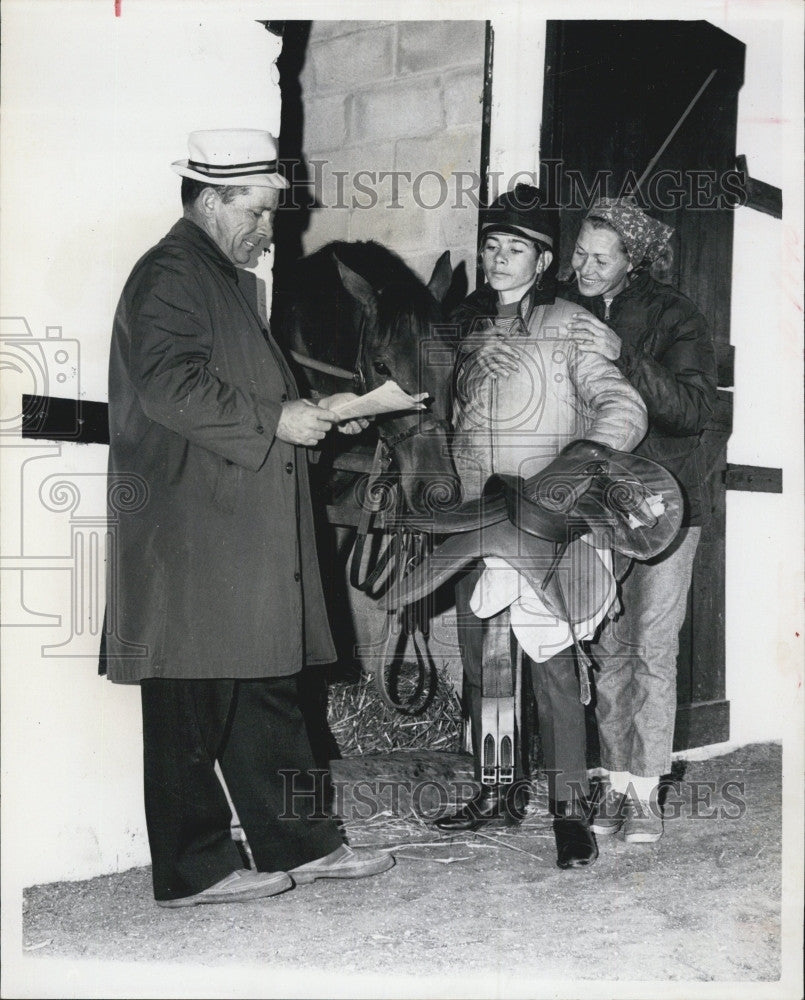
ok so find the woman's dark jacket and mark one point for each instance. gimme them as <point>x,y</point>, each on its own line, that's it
<point>667,354</point>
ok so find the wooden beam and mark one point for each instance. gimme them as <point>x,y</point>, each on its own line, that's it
<point>721,419</point>
<point>53,418</point>
<point>761,196</point>
<point>725,364</point>
<point>753,479</point>
<point>701,723</point>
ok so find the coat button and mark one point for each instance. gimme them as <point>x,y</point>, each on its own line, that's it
<point>297,576</point>
<point>259,428</point>
<point>284,397</point>
<point>289,467</point>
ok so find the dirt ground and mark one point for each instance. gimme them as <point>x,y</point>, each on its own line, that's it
<point>701,905</point>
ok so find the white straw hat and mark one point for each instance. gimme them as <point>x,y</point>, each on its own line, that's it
<point>241,156</point>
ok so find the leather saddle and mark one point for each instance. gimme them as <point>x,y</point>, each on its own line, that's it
<point>619,501</point>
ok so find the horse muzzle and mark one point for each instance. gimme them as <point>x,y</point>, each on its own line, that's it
<point>429,479</point>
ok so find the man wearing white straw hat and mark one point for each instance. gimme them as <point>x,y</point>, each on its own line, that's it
<point>214,600</point>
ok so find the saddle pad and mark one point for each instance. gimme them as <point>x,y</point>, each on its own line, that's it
<point>539,629</point>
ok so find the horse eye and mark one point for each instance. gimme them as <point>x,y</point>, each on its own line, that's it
<point>380,368</point>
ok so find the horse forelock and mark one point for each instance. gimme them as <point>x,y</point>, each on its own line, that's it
<point>405,311</point>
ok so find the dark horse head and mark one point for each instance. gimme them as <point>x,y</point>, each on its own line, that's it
<point>357,306</point>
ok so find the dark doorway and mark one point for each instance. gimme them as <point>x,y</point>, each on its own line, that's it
<point>614,91</point>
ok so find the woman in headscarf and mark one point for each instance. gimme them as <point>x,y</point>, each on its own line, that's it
<point>523,392</point>
<point>660,342</point>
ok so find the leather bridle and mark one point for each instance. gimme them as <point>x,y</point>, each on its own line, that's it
<point>405,548</point>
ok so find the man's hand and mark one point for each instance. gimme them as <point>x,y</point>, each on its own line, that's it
<point>302,422</point>
<point>594,336</point>
<point>347,426</point>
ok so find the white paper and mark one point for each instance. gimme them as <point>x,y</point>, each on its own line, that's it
<point>387,398</point>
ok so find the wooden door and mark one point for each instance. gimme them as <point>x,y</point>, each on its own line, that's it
<point>614,91</point>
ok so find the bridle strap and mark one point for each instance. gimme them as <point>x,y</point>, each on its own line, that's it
<point>372,502</point>
<point>425,423</point>
<point>323,366</point>
<point>327,369</point>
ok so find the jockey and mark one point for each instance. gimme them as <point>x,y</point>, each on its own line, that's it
<point>523,391</point>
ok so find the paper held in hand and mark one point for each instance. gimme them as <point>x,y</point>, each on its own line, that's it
<point>387,398</point>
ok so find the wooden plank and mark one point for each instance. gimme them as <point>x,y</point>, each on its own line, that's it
<point>701,723</point>
<point>764,198</point>
<point>725,364</point>
<point>753,479</point>
<point>721,420</point>
<point>54,418</point>
<point>761,196</point>
<point>707,611</point>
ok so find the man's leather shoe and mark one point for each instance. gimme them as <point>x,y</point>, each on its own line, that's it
<point>575,843</point>
<point>343,862</point>
<point>239,886</point>
<point>493,804</point>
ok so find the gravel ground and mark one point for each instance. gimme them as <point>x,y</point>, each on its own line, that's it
<point>700,906</point>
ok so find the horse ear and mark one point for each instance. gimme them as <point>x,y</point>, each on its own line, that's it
<point>358,287</point>
<point>441,278</point>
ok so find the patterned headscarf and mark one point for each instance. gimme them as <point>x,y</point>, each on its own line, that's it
<point>644,238</point>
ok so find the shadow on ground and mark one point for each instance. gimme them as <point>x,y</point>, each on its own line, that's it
<point>702,904</point>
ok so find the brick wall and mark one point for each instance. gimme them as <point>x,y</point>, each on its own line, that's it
<point>394,96</point>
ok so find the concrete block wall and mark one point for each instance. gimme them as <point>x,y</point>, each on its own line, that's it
<point>382,96</point>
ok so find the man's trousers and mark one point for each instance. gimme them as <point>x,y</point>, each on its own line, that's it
<point>561,715</point>
<point>254,729</point>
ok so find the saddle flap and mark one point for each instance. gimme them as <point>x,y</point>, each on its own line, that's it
<point>628,503</point>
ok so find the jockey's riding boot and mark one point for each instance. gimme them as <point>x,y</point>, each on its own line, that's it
<point>492,804</point>
<point>575,843</point>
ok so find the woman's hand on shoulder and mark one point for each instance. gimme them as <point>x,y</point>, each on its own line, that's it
<point>594,336</point>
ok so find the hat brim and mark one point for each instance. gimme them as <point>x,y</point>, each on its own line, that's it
<point>244,180</point>
<point>528,234</point>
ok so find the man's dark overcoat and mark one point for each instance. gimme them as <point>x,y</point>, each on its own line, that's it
<point>212,569</point>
